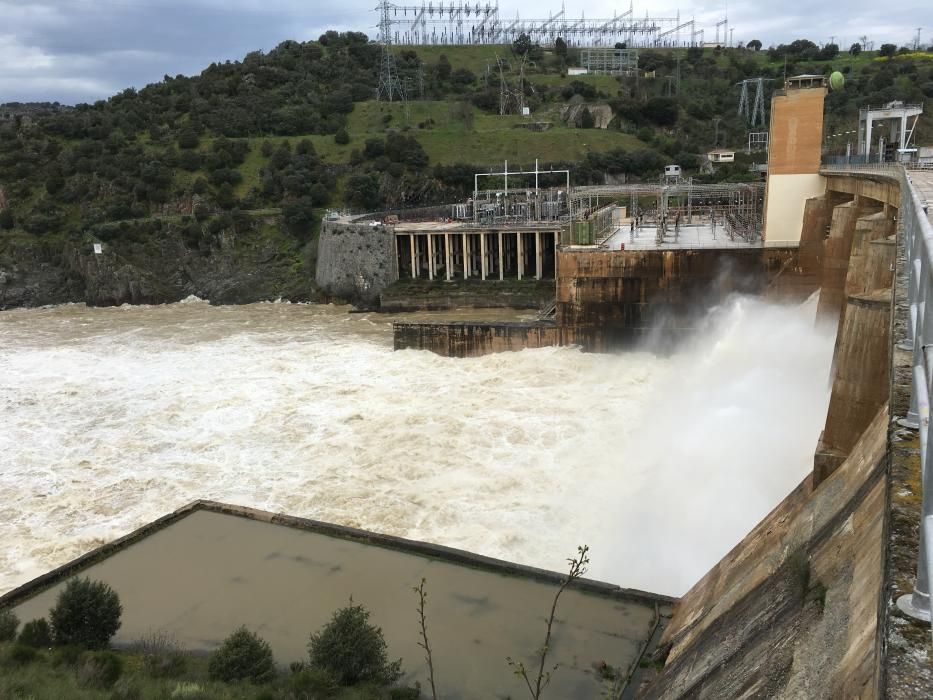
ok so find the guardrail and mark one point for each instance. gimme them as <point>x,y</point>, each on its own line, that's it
<point>859,163</point>
<point>917,234</point>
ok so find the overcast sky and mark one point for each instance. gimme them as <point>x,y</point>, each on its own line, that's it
<point>83,50</point>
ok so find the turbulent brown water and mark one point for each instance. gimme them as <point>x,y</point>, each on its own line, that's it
<point>112,417</point>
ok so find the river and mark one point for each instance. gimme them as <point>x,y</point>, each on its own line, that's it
<point>111,417</point>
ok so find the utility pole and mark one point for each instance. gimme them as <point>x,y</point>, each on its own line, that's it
<point>917,40</point>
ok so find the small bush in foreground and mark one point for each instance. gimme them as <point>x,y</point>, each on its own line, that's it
<point>126,689</point>
<point>313,683</point>
<point>188,691</point>
<point>21,655</point>
<point>36,633</point>
<point>87,613</point>
<point>162,656</point>
<point>8,624</point>
<point>100,670</point>
<point>67,655</point>
<point>352,650</point>
<point>242,657</point>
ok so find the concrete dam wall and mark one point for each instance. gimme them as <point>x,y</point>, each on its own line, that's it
<point>606,300</point>
<point>804,605</point>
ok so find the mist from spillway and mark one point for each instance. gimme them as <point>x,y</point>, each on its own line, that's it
<point>113,417</point>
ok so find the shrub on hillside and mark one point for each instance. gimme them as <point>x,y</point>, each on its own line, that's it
<point>8,624</point>
<point>352,650</point>
<point>87,613</point>
<point>242,656</point>
<point>36,633</point>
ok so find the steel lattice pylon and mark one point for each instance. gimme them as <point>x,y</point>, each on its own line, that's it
<point>463,22</point>
<point>756,116</point>
<point>390,87</point>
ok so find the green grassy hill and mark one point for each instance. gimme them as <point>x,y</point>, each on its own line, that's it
<point>298,129</point>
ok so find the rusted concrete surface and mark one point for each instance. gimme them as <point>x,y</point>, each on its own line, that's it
<point>837,248</point>
<point>862,356</point>
<point>611,298</point>
<point>202,572</point>
<point>473,339</point>
<point>860,382</point>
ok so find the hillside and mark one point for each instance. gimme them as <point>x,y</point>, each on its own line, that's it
<point>231,169</point>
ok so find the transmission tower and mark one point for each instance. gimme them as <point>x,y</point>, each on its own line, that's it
<point>478,22</point>
<point>757,113</point>
<point>390,87</point>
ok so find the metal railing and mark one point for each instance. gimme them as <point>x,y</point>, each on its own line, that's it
<point>917,234</point>
<point>846,163</point>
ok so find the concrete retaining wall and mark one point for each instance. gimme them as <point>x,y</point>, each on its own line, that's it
<point>472,339</point>
<point>356,261</point>
<point>607,299</point>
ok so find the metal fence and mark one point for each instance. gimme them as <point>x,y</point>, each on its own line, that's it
<point>917,234</point>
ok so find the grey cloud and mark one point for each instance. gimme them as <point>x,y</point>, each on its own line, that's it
<point>84,50</point>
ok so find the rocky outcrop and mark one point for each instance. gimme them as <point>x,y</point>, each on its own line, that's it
<point>228,267</point>
<point>601,113</point>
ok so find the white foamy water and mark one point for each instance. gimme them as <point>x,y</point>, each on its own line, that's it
<point>110,418</point>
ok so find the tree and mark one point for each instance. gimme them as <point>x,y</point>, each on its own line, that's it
<point>661,111</point>
<point>6,219</point>
<point>753,45</point>
<point>443,67</point>
<point>586,119</point>
<point>543,678</point>
<point>424,643</point>
<point>36,633</point>
<point>521,45</point>
<point>560,47</point>
<point>341,137</point>
<point>855,49</point>
<point>188,139</point>
<point>298,217</point>
<point>243,656</point>
<point>829,52</point>
<point>87,613</point>
<point>352,650</point>
<point>8,624</point>
<point>363,192</point>
<point>225,198</point>
<point>887,50</point>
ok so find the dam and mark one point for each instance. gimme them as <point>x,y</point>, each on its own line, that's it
<point>810,602</point>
